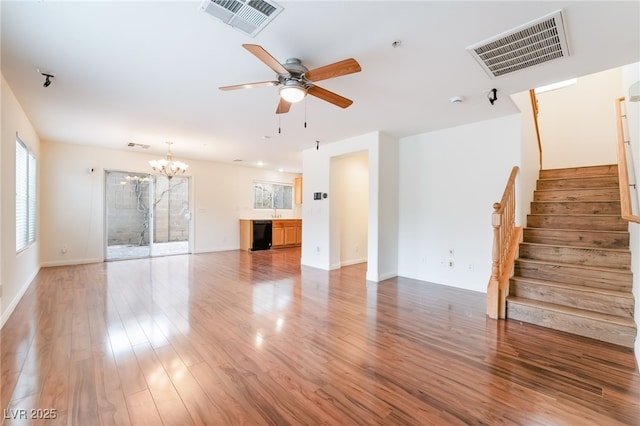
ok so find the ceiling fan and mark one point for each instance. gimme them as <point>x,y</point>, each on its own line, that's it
<point>297,81</point>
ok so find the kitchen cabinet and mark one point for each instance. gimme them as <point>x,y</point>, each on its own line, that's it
<point>297,190</point>
<point>277,236</point>
<point>255,234</point>
<point>286,233</point>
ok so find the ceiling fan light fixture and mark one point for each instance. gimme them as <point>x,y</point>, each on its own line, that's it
<point>292,92</point>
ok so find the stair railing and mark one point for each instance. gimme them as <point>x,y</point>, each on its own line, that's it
<point>535,109</point>
<point>627,211</point>
<point>506,238</point>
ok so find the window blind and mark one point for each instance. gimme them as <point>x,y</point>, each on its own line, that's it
<point>26,181</point>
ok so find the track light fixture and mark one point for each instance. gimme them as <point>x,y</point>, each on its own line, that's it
<point>47,80</point>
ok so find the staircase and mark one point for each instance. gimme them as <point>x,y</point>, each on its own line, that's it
<point>573,271</point>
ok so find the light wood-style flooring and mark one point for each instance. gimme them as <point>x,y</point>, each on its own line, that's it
<point>253,338</point>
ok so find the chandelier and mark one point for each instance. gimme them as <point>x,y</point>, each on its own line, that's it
<point>167,166</point>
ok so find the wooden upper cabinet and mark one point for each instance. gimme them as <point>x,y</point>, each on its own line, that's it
<point>297,190</point>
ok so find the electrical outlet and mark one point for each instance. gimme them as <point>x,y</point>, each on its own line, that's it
<point>471,266</point>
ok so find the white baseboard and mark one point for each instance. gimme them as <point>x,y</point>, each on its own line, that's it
<point>213,250</point>
<point>12,306</point>
<point>353,261</point>
<point>70,262</point>
<point>376,278</point>
<point>387,275</point>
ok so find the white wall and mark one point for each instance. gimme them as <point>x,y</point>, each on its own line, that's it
<point>72,200</point>
<point>350,189</point>
<point>529,158</point>
<point>449,180</point>
<point>630,75</point>
<point>16,271</point>
<point>578,123</point>
<point>319,233</point>
<point>388,205</point>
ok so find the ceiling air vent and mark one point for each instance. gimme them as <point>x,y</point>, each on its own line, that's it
<point>248,16</point>
<point>138,145</point>
<point>534,43</point>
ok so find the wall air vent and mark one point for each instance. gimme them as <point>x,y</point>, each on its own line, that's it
<point>248,16</point>
<point>534,43</point>
<point>138,145</point>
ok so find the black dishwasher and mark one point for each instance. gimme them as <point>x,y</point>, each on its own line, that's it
<point>261,235</point>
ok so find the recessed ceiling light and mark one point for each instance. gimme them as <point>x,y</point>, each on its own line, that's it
<point>457,99</point>
<point>260,163</point>
<point>281,170</point>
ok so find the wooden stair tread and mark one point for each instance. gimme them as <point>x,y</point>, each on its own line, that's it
<point>570,201</point>
<point>573,270</point>
<point>579,177</point>
<point>577,266</point>
<point>582,313</point>
<point>576,189</point>
<point>575,287</point>
<point>577,230</point>
<point>573,172</point>
<point>612,250</point>
<point>575,214</point>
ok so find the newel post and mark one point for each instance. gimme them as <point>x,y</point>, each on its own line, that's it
<point>493,290</point>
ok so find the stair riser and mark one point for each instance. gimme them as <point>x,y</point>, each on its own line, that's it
<point>575,207</point>
<point>568,280</point>
<point>597,302</point>
<point>577,256</point>
<point>605,279</point>
<point>613,240</point>
<point>574,172</point>
<point>603,331</point>
<point>587,182</point>
<point>601,194</point>
<point>599,223</point>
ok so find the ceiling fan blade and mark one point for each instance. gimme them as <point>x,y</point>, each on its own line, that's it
<point>270,61</point>
<point>250,85</point>
<point>344,67</point>
<point>283,107</point>
<point>329,96</point>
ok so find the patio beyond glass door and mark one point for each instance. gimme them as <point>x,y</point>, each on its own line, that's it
<point>171,218</point>
<point>146,215</point>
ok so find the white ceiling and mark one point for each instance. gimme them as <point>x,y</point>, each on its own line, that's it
<point>147,72</point>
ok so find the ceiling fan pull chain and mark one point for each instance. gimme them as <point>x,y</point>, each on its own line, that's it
<point>279,121</point>
<point>305,112</point>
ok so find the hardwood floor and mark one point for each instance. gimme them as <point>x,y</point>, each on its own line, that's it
<point>250,338</point>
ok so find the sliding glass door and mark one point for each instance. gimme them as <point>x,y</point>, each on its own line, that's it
<point>171,218</point>
<point>146,215</point>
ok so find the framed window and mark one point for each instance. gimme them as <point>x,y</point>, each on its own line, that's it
<point>272,196</point>
<point>26,181</point>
